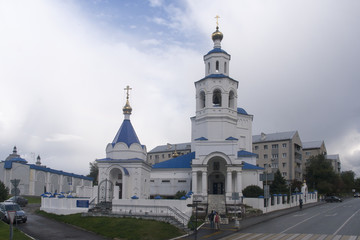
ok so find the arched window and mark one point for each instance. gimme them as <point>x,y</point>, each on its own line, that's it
<point>208,67</point>
<point>217,66</point>
<point>202,99</point>
<point>231,99</point>
<point>224,67</point>
<point>217,98</point>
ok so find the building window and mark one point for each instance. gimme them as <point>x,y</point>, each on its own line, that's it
<point>265,165</point>
<point>284,164</point>
<point>274,156</point>
<point>150,157</point>
<point>274,146</point>
<point>208,67</point>
<point>231,99</point>
<point>217,98</point>
<point>265,156</point>
<point>284,155</point>
<point>202,99</point>
<point>163,155</point>
<point>308,153</point>
<point>284,174</point>
<point>181,181</point>
<point>256,147</point>
<point>165,181</point>
<point>152,180</point>
<point>265,146</point>
<point>156,157</point>
<point>275,165</point>
<point>225,67</point>
<point>169,155</point>
<point>217,66</point>
<point>284,145</point>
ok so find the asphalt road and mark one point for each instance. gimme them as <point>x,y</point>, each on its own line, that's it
<point>330,221</point>
<point>42,228</point>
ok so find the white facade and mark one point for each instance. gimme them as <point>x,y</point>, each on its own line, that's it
<point>37,179</point>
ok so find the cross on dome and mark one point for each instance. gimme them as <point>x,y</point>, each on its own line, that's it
<point>127,108</point>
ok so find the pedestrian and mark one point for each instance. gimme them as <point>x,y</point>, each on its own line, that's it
<point>217,220</point>
<point>300,203</point>
<point>211,219</point>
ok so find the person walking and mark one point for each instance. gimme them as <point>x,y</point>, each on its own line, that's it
<point>217,220</point>
<point>300,203</point>
<point>211,219</point>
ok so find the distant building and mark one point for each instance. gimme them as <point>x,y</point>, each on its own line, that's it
<point>335,162</point>
<point>312,149</point>
<point>165,152</point>
<point>36,179</point>
<point>280,151</point>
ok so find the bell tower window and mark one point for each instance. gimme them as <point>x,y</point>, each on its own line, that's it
<point>208,67</point>
<point>224,67</point>
<point>217,66</point>
<point>217,98</point>
<point>231,99</point>
<point>202,99</point>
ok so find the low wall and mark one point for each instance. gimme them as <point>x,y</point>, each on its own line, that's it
<point>64,206</point>
<point>280,201</point>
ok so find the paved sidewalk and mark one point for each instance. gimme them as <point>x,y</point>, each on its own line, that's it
<point>205,232</point>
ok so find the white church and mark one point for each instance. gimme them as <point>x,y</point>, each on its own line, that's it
<point>214,174</point>
<point>220,163</point>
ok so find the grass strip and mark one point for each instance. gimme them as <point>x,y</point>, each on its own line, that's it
<point>120,228</point>
<point>5,232</point>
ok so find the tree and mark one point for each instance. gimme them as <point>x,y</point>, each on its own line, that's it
<point>296,184</point>
<point>253,191</point>
<point>279,184</point>
<point>321,176</point>
<point>94,172</point>
<point>179,194</point>
<point>348,181</point>
<point>4,192</point>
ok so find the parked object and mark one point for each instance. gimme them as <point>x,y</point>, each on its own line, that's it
<point>19,200</point>
<point>333,199</point>
<point>357,194</point>
<point>20,215</point>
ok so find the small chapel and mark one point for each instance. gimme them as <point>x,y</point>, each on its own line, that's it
<point>220,164</point>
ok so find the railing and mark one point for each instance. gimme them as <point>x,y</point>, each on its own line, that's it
<point>157,211</point>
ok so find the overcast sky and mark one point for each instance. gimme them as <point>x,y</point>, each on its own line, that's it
<point>64,65</point>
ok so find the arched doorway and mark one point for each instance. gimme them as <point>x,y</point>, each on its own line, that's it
<point>216,175</point>
<point>116,177</point>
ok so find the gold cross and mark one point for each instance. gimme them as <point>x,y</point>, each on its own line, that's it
<point>217,20</point>
<point>127,91</point>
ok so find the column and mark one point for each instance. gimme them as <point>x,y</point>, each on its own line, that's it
<point>194,182</point>
<point>238,183</point>
<point>204,183</point>
<point>228,182</point>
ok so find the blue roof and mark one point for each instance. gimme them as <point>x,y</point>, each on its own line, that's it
<point>126,134</point>
<point>217,50</point>
<point>217,76</point>
<point>231,138</point>
<point>8,163</point>
<point>45,169</point>
<point>242,111</point>
<point>201,139</point>
<point>248,166</point>
<point>244,153</point>
<point>183,161</point>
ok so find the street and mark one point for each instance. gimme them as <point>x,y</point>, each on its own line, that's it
<point>326,221</point>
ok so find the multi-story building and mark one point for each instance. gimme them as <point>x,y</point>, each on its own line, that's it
<point>280,151</point>
<point>165,152</point>
<point>312,149</point>
<point>335,162</point>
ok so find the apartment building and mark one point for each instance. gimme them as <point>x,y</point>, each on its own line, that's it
<point>335,162</point>
<point>280,151</point>
<point>312,149</point>
<point>165,152</point>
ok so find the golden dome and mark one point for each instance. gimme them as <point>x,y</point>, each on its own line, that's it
<point>127,108</point>
<point>217,35</point>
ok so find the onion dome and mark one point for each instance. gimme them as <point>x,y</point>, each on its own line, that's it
<point>217,35</point>
<point>127,108</point>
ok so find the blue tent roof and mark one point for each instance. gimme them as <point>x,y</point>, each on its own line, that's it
<point>126,134</point>
<point>8,163</point>
<point>184,161</point>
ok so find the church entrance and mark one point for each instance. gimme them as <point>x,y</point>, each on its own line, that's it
<point>105,191</point>
<point>216,177</point>
<point>116,177</point>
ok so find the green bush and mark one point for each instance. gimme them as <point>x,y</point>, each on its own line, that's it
<point>253,191</point>
<point>4,192</point>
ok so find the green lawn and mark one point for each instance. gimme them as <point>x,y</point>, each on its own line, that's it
<point>123,228</point>
<point>33,199</point>
<point>5,233</point>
